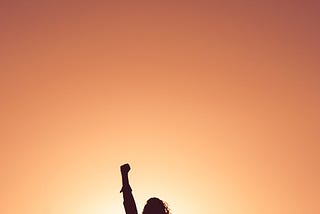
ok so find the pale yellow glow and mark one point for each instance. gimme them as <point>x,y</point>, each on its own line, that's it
<point>215,104</point>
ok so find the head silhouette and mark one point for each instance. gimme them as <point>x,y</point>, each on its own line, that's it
<point>155,206</point>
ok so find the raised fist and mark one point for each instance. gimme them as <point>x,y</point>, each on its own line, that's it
<point>125,168</point>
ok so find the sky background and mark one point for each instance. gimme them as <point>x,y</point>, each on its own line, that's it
<point>215,104</point>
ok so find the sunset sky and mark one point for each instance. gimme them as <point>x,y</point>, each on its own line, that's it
<point>215,104</point>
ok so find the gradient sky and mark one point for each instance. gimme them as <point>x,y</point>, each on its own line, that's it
<point>215,104</point>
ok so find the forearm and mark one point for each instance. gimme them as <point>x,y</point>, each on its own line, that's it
<point>125,181</point>
<point>128,199</point>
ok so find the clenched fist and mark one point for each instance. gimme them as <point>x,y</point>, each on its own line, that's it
<point>125,168</point>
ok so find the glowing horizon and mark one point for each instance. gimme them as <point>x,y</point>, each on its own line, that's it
<point>214,105</point>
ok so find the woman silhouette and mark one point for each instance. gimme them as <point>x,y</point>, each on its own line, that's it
<point>153,205</point>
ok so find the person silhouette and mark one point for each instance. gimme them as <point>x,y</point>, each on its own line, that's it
<point>153,206</point>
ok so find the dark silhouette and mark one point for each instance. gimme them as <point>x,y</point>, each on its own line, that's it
<point>153,205</point>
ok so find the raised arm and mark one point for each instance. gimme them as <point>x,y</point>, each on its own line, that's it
<point>128,200</point>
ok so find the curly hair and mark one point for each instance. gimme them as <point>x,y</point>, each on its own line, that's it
<point>156,206</point>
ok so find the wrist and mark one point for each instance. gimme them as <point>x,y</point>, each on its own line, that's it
<point>124,174</point>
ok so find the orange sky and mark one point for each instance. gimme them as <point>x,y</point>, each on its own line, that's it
<point>215,105</point>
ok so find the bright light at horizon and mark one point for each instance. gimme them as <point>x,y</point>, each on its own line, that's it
<point>215,105</point>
